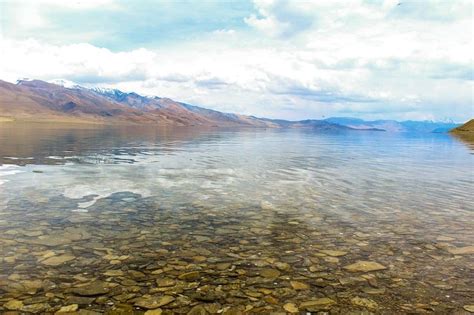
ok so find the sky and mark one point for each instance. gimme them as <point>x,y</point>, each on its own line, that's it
<point>372,59</point>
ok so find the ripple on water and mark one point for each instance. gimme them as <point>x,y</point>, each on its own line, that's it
<point>239,222</point>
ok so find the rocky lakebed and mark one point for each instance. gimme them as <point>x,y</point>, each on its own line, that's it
<point>129,255</point>
<point>105,221</point>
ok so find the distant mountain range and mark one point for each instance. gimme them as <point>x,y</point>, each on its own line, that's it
<point>64,101</point>
<point>395,126</point>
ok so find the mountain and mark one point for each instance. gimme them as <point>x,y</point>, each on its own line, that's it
<point>35,100</point>
<point>65,101</point>
<point>467,128</point>
<point>393,125</point>
<point>465,133</point>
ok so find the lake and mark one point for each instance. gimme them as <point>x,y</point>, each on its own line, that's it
<point>130,219</point>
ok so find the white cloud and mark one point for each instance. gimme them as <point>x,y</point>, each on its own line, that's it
<point>310,59</point>
<point>31,15</point>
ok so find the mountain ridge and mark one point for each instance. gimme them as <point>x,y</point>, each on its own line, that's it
<point>394,125</point>
<point>65,101</point>
<point>35,100</point>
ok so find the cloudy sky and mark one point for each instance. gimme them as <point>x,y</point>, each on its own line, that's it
<point>398,59</point>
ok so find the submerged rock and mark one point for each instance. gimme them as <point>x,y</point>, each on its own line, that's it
<point>57,260</point>
<point>297,285</point>
<point>466,250</point>
<point>270,273</point>
<point>166,282</point>
<point>334,253</point>
<point>114,273</point>
<point>13,305</point>
<point>68,309</point>
<point>316,305</point>
<point>152,302</point>
<point>37,308</point>
<point>364,266</point>
<point>290,308</point>
<point>367,303</point>
<point>190,276</point>
<point>469,308</point>
<point>92,289</point>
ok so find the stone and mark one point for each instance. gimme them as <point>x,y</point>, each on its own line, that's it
<point>190,276</point>
<point>270,273</point>
<point>68,309</point>
<point>81,300</point>
<point>165,282</point>
<point>36,308</point>
<point>153,302</point>
<point>282,266</point>
<point>469,308</point>
<point>333,253</point>
<point>114,273</point>
<point>443,238</point>
<point>364,266</point>
<point>466,250</point>
<point>32,284</point>
<point>363,302</point>
<point>87,312</point>
<point>198,310</point>
<point>297,285</point>
<point>223,266</point>
<point>330,259</point>
<point>92,289</point>
<point>199,258</point>
<point>51,240</point>
<point>136,274</point>
<point>205,296</point>
<point>374,290</point>
<point>13,305</point>
<point>321,304</point>
<point>270,300</point>
<point>290,308</point>
<point>158,311</point>
<point>57,260</point>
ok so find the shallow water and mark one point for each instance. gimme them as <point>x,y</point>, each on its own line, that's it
<point>122,220</point>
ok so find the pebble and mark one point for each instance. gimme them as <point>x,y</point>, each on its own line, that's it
<point>92,289</point>
<point>13,305</point>
<point>469,308</point>
<point>367,303</point>
<point>57,260</point>
<point>364,266</point>
<point>334,253</point>
<point>290,308</point>
<point>190,276</point>
<point>466,250</point>
<point>270,273</point>
<point>152,302</point>
<point>68,309</point>
<point>297,285</point>
<point>317,304</point>
<point>154,312</point>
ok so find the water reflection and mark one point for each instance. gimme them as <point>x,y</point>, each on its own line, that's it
<point>229,221</point>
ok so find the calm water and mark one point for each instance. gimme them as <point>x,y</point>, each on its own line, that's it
<point>125,220</point>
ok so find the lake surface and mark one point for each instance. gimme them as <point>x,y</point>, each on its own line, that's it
<point>125,220</point>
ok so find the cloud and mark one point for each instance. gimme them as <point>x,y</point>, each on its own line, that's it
<point>292,59</point>
<point>32,14</point>
<point>278,18</point>
<point>83,63</point>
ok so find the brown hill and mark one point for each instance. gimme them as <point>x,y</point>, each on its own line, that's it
<point>466,128</point>
<point>45,102</point>
<point>465,133</point>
